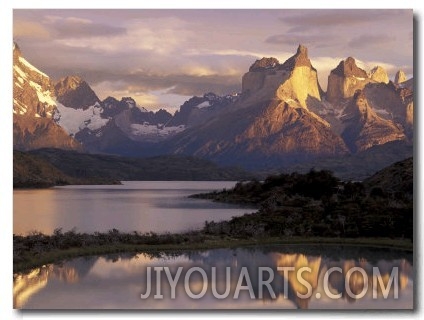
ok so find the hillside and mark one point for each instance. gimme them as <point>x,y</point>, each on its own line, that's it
<point>33,171</point>
<point>160,168</point>
<point>397,178</point>
<point>30,171</point>
<point>357,166</point>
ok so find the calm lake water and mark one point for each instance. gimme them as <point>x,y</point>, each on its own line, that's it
<point>117,281</point>
<point>158,206</point>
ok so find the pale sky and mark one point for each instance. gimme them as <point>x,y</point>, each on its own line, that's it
<point>163,57</point>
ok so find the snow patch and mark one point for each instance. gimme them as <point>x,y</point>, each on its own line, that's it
<point>157,130</point>
<point>31,67</point>
<point>204,104</point>
<point>75,120</point>
<point>43,96</point>
<point>21,107</point>
<point>20,72</point>
<point>383,112</point>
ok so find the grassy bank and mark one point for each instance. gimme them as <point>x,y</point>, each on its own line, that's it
<point>37,249</point>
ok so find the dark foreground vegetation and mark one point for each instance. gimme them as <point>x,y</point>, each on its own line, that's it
<point>319,204</point>
<point>292,209</point>
<point>38,249</point>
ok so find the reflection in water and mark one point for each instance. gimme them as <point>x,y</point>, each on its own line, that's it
<point>117,281</point>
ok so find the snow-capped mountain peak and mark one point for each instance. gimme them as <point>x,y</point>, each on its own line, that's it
<point>32,90</point>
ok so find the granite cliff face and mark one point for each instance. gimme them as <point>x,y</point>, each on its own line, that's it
<point>392,102</point>
<point>295,81</point>
<point>379,74</point>
<point>345,79</point>
<point>364,128</point>
<point>400,77</point>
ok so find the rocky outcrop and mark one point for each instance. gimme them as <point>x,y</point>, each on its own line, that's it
<point>75,93</point>
<point>264,63</point>
<point>364,128</point>
<point>379,74</point>
<point>345,79</point>
<point>400,77</point>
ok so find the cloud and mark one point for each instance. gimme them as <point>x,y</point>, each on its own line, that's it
<point>75,28</point>
<point>147,98</point>
<point>190,86</point>
<point>142,87</point>
<point>367,40</point>
<point>155,35</point>
<point>309,39</point>
<point>200,71</point>
<point>314,19</point>
<point>30,29</point>
<point>119,89</point>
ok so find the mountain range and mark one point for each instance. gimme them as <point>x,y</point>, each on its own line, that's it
<point>282,117</point>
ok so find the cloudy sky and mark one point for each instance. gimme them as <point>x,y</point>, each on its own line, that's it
<point>163,57</point>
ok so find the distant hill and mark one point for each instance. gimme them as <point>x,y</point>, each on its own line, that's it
<point>31,171</point>
<point>161,168</point>
<point>398,177</point>
<point>358,166</point>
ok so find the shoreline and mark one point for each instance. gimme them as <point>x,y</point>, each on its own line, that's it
<point>59,255</point>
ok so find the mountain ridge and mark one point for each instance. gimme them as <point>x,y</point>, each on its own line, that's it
<point>281,116</point>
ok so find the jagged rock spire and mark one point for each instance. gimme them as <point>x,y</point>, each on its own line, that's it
<point>379,74</point>
<point>345,79</point>
<point>400,77</point>
<point>348,67</point>
<point>299,59</point>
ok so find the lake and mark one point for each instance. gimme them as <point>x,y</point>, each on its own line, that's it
<point>118,281</point>
<point>158,206</point>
